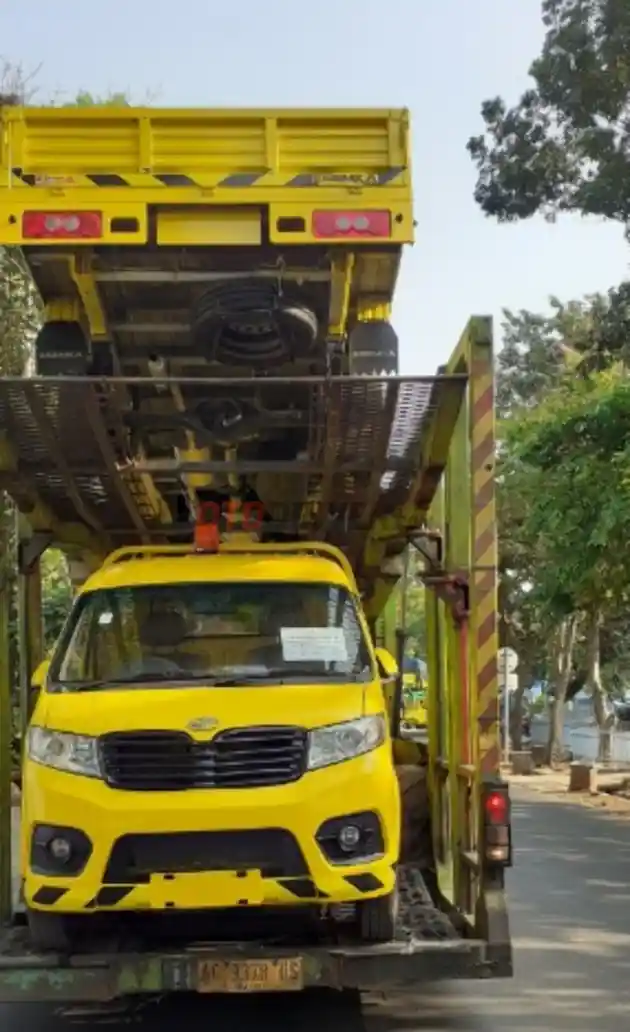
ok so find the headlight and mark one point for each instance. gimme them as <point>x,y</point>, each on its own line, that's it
<point>338,742</point>
<point>76,754</point>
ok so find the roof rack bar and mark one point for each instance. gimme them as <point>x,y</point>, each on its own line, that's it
<point>234,381</point>
<point>245,466</point>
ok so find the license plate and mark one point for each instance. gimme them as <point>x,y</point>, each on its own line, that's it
<point>281,975</point>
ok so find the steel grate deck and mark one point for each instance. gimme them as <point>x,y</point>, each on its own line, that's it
<point>326,452</point>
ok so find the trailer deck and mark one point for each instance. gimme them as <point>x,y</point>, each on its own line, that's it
<point>101,463</point>
<point>426,948</point>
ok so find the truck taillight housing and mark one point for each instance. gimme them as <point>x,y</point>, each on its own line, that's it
<point>496,825</point>
<point>62,225</point>
<point>351,225</point>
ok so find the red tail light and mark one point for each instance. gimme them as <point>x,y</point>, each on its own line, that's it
<point>351,225</point>
<point>207,537</point>
<point>497,808</point>
<point>497,832</point>
<point>62,225</point>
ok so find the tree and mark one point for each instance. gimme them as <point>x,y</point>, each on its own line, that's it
<point>20,318</point>
<point>565,146</point>
<point>56,595</point>
<point>569,461</point>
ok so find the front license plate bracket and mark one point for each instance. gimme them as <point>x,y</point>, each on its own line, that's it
<point>277,974</point>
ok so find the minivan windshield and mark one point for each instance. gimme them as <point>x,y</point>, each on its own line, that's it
<point>212,633</point>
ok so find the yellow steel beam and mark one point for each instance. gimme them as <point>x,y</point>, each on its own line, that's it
<point>80,268</point>
<point>340,284</point>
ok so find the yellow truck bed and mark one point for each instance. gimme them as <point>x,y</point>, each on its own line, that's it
<point>131,218</point>
<point>73,149</point>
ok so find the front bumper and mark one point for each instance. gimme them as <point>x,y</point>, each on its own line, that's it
<point>211,827</point>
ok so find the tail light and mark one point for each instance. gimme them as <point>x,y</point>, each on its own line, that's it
<point>497,825</point>
<point>351,225</point>
<point>207,538</point>
<point>62,225</point>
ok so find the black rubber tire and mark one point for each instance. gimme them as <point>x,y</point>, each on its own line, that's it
<point>377,918</point>
<point>102,361</point>
<point>416,840</point>
<point>50,932</point>
<point>62,349</point>
<point>373,349</point>
<point>251,323</point>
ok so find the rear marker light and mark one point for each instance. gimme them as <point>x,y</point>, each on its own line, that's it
<point>352,224</point>
<point>497,838</point>
<point>497,808</point>
<point>62,225</point>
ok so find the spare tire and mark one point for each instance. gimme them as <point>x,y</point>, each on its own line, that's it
<point>254,323</point>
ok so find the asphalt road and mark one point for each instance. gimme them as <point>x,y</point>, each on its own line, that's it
<point>570,907</point>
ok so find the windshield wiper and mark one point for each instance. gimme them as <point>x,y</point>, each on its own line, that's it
<point>115,682</point>
<point>280,675</point>
<point>284,675</point>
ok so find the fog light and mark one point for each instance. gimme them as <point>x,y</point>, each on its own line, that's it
<point>349,837</point>
<point>60,849</point>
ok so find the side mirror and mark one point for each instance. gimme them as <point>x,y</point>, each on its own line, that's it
<point>387,665</point>
<point>38,680</point>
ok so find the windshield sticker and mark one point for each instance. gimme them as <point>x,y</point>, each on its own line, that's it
<point>313,645</point>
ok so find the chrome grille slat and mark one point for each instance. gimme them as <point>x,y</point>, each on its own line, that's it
<point>171,761</point>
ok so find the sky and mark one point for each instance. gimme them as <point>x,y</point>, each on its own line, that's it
<point>439,58</point>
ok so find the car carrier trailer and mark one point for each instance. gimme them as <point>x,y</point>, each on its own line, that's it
<point>392,463</point>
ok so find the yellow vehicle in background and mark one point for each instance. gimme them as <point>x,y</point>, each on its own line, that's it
<point>414,694</point>
<point>227,704</point>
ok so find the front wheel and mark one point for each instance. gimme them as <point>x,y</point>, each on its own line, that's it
<point>50,932</point>
<point>377,918</point>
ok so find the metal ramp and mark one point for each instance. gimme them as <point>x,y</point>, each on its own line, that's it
<point>102,463</point>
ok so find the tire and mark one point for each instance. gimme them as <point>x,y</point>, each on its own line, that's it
<point>377,918</point>
<point>50,932</point>
<point>250,323</point>
<point>102,359</point>
<point>416,840</point>
<point>62,349</point>
<point>373,349</point>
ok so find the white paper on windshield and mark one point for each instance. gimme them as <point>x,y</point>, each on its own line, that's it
<point>313,645</point>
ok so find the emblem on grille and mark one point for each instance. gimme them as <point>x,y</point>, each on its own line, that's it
<point>202,724</point>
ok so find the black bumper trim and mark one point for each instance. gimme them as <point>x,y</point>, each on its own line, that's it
<point>364,882</point>
<point>303,888</point>
<point>109,896</point>
<point>48,895</point>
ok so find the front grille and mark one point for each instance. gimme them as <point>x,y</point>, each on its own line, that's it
<point>168,761</point>
<point>272,851</point>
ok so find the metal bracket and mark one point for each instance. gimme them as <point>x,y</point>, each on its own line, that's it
<point>430,545</point>
<point>30,550</point>
<point>452,591</point>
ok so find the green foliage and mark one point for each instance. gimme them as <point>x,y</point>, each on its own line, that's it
<point>85,99</point>
<point>563,430</point>
<point>569,462</point>
<point>416,627</point>
<point>56,595</point>
<point>565,146</point>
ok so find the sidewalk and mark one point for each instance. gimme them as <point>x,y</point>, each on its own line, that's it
<point>554,784</point>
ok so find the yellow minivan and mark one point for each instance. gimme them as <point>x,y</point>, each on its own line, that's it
<point>210,732</point>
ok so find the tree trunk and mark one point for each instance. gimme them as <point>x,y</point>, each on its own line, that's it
<point>594,685</point>
<point>524,675</point>
<point>562,662</point>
